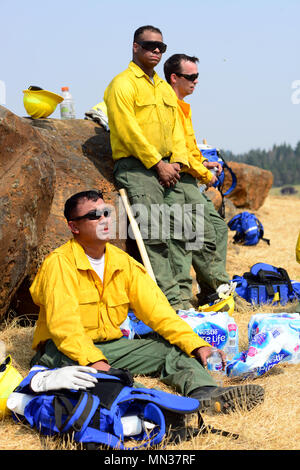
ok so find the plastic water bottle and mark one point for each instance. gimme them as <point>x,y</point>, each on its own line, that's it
<point>133,425</point>
<point>214,361</point>
<point>67,108</point>
<point>16,402</point>
<point>232,346</point>
<point>203,187</point>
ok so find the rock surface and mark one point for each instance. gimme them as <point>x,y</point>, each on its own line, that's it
<point>26,193</point>
<point>253,185</point>
<point>82,158</point>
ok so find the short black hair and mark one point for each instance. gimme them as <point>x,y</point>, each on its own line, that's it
<point>140,31</point>
<point>173,64</point>
<point>72,202</point>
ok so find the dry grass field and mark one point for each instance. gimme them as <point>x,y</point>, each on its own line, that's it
<point>274,425</point>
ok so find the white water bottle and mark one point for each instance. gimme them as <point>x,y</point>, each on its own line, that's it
<point>203,187</point>
<point>214,361</point>
<point>16,402</point>
<point>232,346</point>
<point>67,108</point>
<point>133,425</point>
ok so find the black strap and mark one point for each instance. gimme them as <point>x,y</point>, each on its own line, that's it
<point>63,405</point>
<point>286,277</point>
<point>108,389</point>
<point>124,375</point>
<point>239,237</point>
<point>281,276</point>
<point>261,232</point>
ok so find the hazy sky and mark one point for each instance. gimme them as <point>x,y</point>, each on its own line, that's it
<point>249,59</point>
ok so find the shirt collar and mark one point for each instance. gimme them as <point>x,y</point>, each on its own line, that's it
<point>186,108</point>
<point>112,262</point>
<point>140,73</point>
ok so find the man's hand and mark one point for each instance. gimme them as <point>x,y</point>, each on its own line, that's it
<point>204,352</point>
<point>101,366</point>
<point>211,165</point>
<point>168,173</point>
<point>212,181</point>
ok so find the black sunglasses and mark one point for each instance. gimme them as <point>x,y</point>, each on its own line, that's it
<point>152,45</point>
<point>192,77</point>
<point>95,214</point>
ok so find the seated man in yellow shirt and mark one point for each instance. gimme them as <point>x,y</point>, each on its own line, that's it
<point>84,290</point>
<point>209,262</point>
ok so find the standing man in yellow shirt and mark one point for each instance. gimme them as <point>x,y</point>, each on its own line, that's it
<point>209,262</point>
<point>84,289</point>
<point>149,150</point>
<point>297,309</point>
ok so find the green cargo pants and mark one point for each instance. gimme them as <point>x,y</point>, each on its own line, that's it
<point>209,262</point>
<point>151,355</point>
<point>151,204</point>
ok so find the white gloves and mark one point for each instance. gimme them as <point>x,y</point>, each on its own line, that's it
<point>225,290</point>
<point>70,377</point>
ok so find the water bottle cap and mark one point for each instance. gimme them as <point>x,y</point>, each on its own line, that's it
<point>65,88</point>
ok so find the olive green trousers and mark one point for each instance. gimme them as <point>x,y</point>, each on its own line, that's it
<point>209,262</point>
<point>157,211</point>
<point>188,232</point>
<point>151,355</point>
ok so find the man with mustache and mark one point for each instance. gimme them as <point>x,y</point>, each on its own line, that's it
<point>85,288</point>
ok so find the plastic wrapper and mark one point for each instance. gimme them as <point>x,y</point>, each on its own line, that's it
<point>273,338</point>
<point>216,328</point>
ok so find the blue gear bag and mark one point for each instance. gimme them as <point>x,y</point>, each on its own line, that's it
<point>266,284</point>
<point>249,230</point>
<point>93,417</point>
<point>213,155</point>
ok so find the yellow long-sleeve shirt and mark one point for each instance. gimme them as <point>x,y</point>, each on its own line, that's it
<point>196,167</point>
<point>143,118</point>
<point>298,249</point>
<point>76,309</point>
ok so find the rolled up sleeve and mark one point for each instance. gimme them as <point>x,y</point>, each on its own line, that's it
<point>152,307</point>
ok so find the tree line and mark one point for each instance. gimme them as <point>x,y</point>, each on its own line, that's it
<point>282,160</point>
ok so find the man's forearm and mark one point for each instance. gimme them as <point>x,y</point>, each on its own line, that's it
<point>100,365</point>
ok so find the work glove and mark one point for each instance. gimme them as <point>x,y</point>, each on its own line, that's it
<point>70,377</point>
<point>224,290</point>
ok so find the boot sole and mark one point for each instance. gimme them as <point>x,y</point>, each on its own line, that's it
<point>244,397</point>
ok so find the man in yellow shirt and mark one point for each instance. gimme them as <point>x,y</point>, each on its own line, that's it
<point>149,150</point>
<point>84,289</point>
<point>209,262</point>
<point>297,309</point>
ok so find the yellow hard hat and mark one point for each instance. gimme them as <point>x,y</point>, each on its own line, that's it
<point>224,305</point>
<point>40,103</point>
<point>9,380</point>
